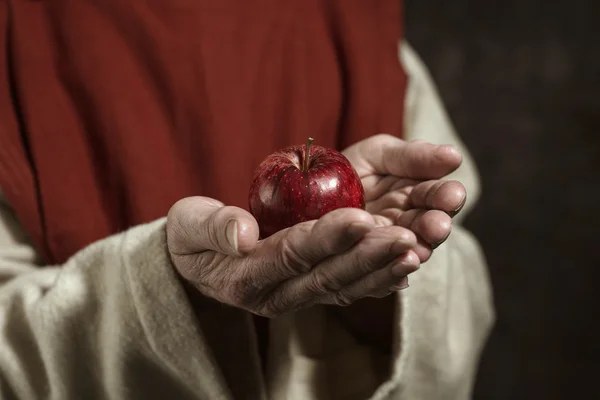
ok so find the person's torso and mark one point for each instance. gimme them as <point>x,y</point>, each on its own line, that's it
<point>126,107</point>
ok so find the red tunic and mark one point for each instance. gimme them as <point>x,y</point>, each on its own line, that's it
<point>112,110</point>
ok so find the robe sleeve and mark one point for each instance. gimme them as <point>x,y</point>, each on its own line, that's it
<point>447,313</point>
<point>114,321</point>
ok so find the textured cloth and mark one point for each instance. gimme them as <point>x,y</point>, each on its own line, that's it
<point>114,322</point>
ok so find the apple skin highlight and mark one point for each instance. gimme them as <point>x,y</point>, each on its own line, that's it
<point>289,187</point>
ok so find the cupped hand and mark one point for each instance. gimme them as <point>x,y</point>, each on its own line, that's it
<point>404,186</point>
<point>338,259</point>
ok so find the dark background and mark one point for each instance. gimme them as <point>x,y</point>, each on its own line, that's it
<point>521,81</point>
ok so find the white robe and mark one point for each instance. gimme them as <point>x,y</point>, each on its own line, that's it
<point>114,323</point>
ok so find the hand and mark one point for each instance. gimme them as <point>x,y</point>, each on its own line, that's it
<point>404,187</point>
<point>337,259</point>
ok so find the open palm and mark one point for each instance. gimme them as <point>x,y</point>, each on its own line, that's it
<point>404,186</point>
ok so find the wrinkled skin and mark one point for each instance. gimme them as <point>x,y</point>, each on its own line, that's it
<point>346,255</point>
<point>404,186</point>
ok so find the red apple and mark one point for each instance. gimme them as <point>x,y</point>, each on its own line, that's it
<point>302,183</point>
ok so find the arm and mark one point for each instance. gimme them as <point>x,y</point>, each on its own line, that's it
<point>114,319</point>
<point>89,327</point>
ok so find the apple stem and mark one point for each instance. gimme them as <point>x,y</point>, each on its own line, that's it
<point>306,158</point>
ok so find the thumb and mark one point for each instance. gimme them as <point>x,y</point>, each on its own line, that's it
<point>388,155</point>
<point>197,224</point>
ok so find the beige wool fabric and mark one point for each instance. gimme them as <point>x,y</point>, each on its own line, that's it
<point>115,323</point>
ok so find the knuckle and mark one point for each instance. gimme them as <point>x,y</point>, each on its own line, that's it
<point>364,264</point>
<point>210,231</point>
<point>383,137</point>
<point>405,235</point>
<point>269,309</point>
<point>177,208</point>
<point>342,299</point>
<point>288,256</point>
<point>322,283</point>
<point>179,214</point>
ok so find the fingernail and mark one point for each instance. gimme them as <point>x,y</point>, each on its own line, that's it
<point>447,148</point>
<point>359,229</point>
<point>406,266</point>
<point>460,207</point>
<point>231,231</point>
<point>402,284</point>
<point>436,245</point>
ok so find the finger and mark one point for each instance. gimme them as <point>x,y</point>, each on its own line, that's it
<point>389,216</point>
<point>433,226</point>
<point>397,285</point>
<point>377,186</point>
<point>388,155</point>
<point>197,224</point>
<point>373,252</point>
<point>296,250</point>
<point>379,283</point>
<point>394,199</point>
<point>423,250</point>
<point>400,285</point>
<point>448,196</point>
